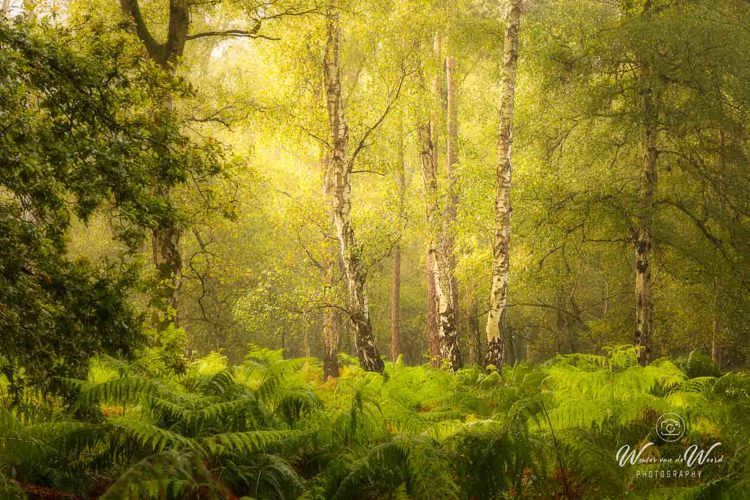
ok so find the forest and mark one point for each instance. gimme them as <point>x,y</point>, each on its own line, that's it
<point>374,249</point>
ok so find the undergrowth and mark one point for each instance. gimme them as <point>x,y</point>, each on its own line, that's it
<point>269,428</point>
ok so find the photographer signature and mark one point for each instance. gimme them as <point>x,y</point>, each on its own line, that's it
<point>693,455</point>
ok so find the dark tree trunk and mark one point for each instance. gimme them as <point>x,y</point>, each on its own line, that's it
<point>166,236</point>
<point>642,241</point>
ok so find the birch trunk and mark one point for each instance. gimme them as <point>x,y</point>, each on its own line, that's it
<point>331,337</point>
<point>433,323</point>
<point>446,317</point>
<point>340,200</point>
<point>331,315</point>
<point>642,241</point>
<point>501,244</point>
<point>451,208</point>
<point>432,310</point>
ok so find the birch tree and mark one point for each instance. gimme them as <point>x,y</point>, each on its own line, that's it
<point>440,219</point>
<point>339,172</point>
<point>501,244</point>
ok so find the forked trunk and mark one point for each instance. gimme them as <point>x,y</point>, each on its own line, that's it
<point>446,314</point>
<point>166,236</point>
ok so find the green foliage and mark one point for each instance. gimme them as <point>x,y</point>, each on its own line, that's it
<point>269,428</point>
<point>82,121</point>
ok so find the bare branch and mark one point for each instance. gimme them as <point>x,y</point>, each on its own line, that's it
<point>393,97</point>
<point>701,225</point>
<point>368,172</point>
<point>230,34</point>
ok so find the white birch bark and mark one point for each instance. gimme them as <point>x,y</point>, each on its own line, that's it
<point>501,244</point>
<point>340,199</point>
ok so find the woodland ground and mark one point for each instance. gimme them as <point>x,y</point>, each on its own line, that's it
<point>270,428</point>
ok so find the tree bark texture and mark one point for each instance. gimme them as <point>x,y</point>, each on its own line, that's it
<point>446,313</point>
<point>451,208</point>
<point>501,243</point>
<point>331,263</point>
<point>340,200</point>
<point>432,310</point>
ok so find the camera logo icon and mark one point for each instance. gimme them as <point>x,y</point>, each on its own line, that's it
<point>670,427</point>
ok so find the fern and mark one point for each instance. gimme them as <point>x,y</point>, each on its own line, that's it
<point>266,429</point>
<point>151,437</point>
<point>168,475</point>
<point>246,442</point>
<point>124,390</point>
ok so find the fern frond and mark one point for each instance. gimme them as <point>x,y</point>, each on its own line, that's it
<point>128,389</point>
<point>151,437</point>
<point>247,442</point>
<point>265,476</point>
<point>168,475</point>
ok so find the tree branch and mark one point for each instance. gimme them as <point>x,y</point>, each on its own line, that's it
<point>154,48</point>
<point>701,225</point>
<point>391,101</point>
<point>230,33</point>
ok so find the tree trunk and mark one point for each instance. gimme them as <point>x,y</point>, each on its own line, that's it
<point>445,343</point>
<point>716,327</point>
<point>451,208</point>
<point>165,241</point>
<point>474,332</point>
<point>340,201</point>
<point>331,315</point>
<point>432,310</point>
<point>395,304</point>
<point>166,236</point>
<point>446,318</point>
<point>433,325</point>
<point>396,284</point>
<point>501,244</point>
<point>642,242</point>
<point>331,338</point>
